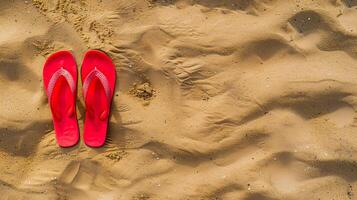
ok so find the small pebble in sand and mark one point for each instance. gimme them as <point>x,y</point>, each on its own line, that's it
<point>143,91</point>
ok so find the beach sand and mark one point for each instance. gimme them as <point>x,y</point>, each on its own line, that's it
<point>215,100</point>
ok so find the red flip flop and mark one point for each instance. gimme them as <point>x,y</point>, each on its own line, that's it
<point>98,78</point>
<point>60,80</point>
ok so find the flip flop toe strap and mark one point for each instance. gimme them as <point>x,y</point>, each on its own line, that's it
<point>51,85</point>
<point>95,73</point>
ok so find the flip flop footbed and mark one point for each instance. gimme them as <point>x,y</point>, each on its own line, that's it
<point>98,78</point>
<point>60,81</point>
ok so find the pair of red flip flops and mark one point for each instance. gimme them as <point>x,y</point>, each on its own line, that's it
<point>60,79</point>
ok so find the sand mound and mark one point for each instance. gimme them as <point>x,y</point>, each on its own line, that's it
<point>229,99</point>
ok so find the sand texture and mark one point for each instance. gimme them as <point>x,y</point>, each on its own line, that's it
<point>215,100</point>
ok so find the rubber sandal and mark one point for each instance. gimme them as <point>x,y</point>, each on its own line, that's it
<point>60,81</point>
<point>98,78</point>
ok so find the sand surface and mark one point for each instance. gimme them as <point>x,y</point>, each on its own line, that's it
<point>215,100</point>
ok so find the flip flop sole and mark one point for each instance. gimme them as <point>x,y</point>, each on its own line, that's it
<point>60,81</point>
<point>98,78</point>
